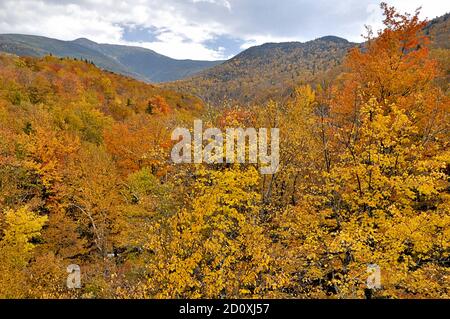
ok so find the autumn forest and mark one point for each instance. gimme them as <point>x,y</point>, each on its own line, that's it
<point>86,176</point>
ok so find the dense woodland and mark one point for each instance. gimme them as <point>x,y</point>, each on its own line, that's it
<point>86,178</point>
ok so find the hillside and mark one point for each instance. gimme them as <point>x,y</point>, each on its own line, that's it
<point>68,84</point>
<point>439,32</point>
<point>267,70</point>
<point>274,69</point>
<point>137,62</point>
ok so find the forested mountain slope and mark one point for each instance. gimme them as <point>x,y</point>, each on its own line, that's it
<point>140,63</point>
<point>272,70</point>
<point>267,70</point>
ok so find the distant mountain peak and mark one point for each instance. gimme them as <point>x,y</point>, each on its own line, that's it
<point>84,41</point>
<point>332,38</point>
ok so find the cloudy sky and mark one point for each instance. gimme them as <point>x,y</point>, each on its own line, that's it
<point>200,29</point>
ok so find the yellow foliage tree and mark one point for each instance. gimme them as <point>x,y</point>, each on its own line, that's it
<point>21,227</point>
<point>383,203</point>
<point>217,247</point>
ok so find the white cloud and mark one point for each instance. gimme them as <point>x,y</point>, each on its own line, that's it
<point>186,28</point>
<point>224,3</point>
<point>181,50</point>
<point>261,39</point>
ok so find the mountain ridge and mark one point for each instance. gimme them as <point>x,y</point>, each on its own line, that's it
<point>273,69</point>
<point>263,71</point>
<point>140,63</point>
<point>270,67</point>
